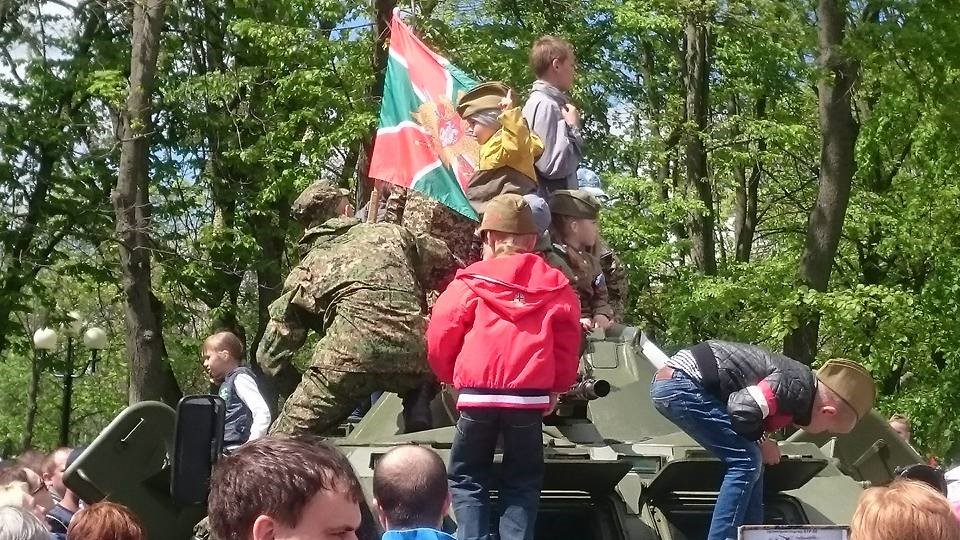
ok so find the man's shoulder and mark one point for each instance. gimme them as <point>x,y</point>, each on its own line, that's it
<point>539,101</point>
<point>334,242</point>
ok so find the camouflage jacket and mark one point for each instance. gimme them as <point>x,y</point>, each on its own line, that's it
<point>356,281</point>
<point>616,277</point>
<point>423,215</point>
<point>588,278</point>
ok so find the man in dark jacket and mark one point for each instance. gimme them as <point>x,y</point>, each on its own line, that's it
<point>726,396</point>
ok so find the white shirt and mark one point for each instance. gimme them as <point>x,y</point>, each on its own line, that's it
<point>250,396</point>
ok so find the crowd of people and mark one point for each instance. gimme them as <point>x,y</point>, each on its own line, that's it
<point>302,487</point>
<point>36,505</point>
<point>497,310</point>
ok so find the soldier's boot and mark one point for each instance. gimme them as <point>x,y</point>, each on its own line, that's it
<point>416,406</point>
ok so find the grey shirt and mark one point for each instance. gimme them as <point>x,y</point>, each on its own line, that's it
<point>562,144</point>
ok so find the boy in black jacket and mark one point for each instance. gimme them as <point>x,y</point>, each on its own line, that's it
<point>728,395</point>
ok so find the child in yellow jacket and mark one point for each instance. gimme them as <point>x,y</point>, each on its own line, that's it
<point>508,149</point>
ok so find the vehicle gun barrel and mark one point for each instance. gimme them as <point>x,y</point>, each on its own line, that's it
<point>586,389</point>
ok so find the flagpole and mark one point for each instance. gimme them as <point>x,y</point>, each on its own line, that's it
<point>373,205</point>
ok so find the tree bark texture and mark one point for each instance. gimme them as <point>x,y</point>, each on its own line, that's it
<point>745,215</point>
<point>839,132</point>
<point>33,395</point>
<point>269,268</point>
<point>150,376</point>
<point>703,251</point>
<point>383,12</point>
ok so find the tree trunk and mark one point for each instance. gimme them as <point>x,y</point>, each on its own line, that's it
<point>271,241</point>
<point>747,192</point>
<point>33,395</point>
<point>703,251</point>
<point>839,137</point>
<point>383,12</point>
<point>150,376</point>
<point>660,157</point>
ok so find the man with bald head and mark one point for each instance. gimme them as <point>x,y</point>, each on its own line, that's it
<point>410,494</point>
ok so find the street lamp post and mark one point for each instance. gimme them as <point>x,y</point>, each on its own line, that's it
<point>45,339</point>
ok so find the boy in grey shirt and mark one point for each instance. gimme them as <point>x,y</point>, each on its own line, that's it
<point>551,116</point>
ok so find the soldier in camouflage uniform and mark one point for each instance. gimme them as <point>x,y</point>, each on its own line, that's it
<point>424,215</point>
<point>361,287</point>
<point>615,275</point>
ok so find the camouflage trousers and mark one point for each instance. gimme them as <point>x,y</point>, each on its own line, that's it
<point>325,398</point>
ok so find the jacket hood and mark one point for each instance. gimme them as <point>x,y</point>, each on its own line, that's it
<point>515,285</point>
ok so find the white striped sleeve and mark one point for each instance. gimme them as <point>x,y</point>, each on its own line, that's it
<point>757,394</point>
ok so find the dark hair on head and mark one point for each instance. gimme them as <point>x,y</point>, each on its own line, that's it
<point>105,521</point>
<point>411,489</point>
<point>545,50</point>
<point>559,224</point>
<point>277,477</point>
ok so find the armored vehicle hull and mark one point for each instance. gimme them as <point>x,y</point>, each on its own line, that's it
<point>615,468</point>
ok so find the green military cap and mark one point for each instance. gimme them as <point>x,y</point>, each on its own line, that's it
<point>851,382</point>
<point>318,203</point>
<point>574,203</point>
<point>508,213</point>
<point>482,96</point>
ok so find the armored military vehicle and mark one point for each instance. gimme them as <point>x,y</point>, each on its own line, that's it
<point>615,468</point>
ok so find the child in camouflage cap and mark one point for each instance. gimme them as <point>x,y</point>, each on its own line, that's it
<point>507,147</point>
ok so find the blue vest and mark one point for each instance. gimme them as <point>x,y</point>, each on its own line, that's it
<point>236,427</point>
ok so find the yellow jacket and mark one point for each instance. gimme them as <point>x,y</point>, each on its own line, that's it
<point>513,145</point>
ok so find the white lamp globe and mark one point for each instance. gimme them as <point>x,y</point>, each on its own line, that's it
<point>95,338</point>
<point>45,339</point>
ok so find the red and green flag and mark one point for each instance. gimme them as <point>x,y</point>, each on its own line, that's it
<point>421,142</point>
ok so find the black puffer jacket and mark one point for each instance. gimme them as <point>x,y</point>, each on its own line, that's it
<point>764,390</point>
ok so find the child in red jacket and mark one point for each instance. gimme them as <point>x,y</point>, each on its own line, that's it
<point>506,334</point>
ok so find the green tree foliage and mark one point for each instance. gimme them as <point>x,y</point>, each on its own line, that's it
<point>256,100</point>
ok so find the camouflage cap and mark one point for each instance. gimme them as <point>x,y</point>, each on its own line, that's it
<point>851,382</point>
<point>482,96</point>
<point>508,213</point>
<point>574,203</point>
<point>318,203</point>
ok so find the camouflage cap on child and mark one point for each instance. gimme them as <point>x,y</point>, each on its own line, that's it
<point>481,97</point>
<point>574,203</point>
<point>852,382</point>
<point>508,213</point>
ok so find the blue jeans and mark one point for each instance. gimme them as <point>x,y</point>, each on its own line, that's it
<point>471,464</point>
<point>704,417</point>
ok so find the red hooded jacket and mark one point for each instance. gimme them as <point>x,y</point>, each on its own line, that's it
<point>506,333</point>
